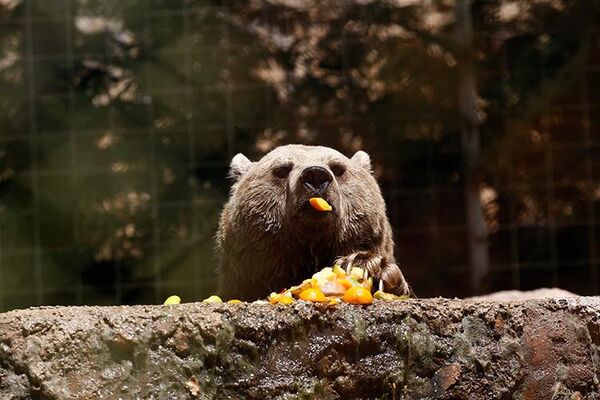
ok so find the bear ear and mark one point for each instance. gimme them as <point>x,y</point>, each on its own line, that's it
<point>362,159</point>
<point>239,166</point>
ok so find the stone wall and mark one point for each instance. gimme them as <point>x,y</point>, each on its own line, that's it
<point>426,348</point>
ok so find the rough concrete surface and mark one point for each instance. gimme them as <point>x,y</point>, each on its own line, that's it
<point>416,349</point>
<point>511,295</point>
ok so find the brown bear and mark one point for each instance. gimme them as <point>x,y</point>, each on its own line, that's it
<point>270,238</point>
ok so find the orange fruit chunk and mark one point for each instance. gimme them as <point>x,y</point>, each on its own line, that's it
<point>312,294</point>
<point>358,295</point>
<point>319,204</point>
<point>345,283</point>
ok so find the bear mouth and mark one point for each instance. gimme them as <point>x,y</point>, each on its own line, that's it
<point>310,213</point>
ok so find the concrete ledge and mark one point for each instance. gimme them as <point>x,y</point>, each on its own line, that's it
<point>426,348</point>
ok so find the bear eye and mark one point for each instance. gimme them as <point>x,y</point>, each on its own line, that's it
<point>283,170</point>
<point>337,168</point>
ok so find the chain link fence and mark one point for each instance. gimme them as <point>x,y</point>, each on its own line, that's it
<point>118,121</point>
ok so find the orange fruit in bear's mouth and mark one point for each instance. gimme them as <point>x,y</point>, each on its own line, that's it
<point>320,204</point>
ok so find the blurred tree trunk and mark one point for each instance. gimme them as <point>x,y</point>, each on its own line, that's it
<point>468,106</point>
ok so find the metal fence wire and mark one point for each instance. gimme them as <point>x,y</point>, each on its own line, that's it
<point>118,120</point>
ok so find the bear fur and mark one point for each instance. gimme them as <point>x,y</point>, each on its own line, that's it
<point>269,238</point>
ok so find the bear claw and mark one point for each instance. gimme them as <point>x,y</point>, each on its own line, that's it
<point>387,273</point>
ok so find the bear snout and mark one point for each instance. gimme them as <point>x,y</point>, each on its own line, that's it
<point>315,179</point>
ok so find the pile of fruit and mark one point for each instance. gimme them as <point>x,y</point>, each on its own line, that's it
<point>332,285</point>
<point>329,286</point>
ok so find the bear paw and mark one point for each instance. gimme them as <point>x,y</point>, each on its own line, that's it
<point>387,273</point>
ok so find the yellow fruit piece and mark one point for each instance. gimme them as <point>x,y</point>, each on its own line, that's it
<point>281,298</point>
<point>379,295</point>
<point>326,274</point>
<point>274,298</point>
<point>320,204</point>
<point>357,273</point>
<point>339,271</point>
<point>234,301</point>
<point>172,300</point>
<point>212,299</point>
<point>312,294</point>
<point>358,295</point>
<point>352,281</point>
<point>333,301</point>
<point>285,300</point>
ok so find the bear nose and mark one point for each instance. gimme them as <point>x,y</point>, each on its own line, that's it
<point>316,178</point>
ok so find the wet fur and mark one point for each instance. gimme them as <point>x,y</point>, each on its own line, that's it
<point>265,243</point>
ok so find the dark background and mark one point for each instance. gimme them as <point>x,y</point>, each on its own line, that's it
<point>118,120</point>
